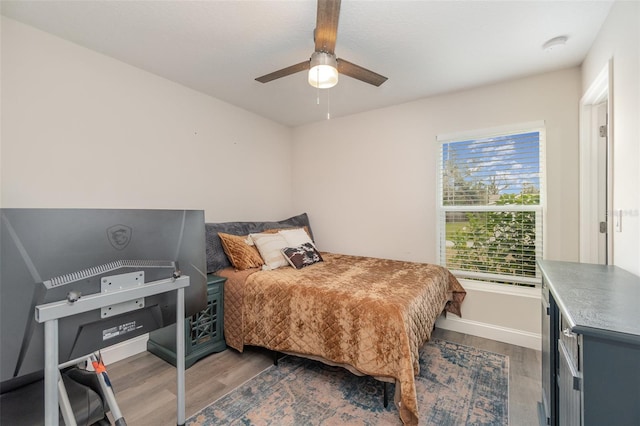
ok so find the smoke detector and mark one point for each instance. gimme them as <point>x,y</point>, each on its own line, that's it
<point>555,43</point>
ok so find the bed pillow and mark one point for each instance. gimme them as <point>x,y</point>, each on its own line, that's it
<point>302,255</point>
<point>270,246</point>
<point>296,237</point>
<point>216,257</point>
<point>242,255</point>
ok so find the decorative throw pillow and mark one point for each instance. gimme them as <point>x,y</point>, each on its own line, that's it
<point>270,246</point>
<point>296,237</point>
<point>241,255</point>
<point>302,255</point>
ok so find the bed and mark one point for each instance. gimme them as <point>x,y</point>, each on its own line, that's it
<point>366,314</point>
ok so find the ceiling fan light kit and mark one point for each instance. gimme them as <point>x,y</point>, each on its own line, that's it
<point>323,72</point>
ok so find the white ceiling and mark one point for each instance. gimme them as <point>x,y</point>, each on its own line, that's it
<point>423,47</point>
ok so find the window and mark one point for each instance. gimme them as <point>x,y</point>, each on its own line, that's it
<point>490,204</point>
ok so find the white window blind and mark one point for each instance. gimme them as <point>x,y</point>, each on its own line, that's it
<point>490,202</point>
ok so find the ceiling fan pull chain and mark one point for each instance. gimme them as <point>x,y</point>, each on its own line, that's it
<point>318,87</point>
<point>328,105</point>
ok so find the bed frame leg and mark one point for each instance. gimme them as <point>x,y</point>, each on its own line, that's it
<point>275,357</point>
<point>386,395</point>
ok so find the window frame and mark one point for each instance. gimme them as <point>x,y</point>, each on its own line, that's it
<point>539,209</point>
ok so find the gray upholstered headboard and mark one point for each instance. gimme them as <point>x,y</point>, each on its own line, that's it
<point>217,259</point>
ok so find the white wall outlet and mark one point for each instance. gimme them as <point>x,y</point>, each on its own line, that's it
<point>617,220</point>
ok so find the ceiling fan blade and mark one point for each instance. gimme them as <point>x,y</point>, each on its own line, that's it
<point>360,73</point>
<point>284,72</point>
<point>327,25</point>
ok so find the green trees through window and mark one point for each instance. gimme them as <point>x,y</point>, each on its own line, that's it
<point>502,242</point>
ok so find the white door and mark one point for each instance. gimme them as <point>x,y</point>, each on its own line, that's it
<point>604,218</point>
<point>596,144</point>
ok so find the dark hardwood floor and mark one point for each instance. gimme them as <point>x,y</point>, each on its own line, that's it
<point>145,385</point>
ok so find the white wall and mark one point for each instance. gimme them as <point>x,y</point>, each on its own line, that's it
<point>368,181</point>
<point>619,40</point>
<point>80,129</point>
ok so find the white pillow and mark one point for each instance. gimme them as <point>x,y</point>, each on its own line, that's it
<point>296,237</point>
<point>270,246</point>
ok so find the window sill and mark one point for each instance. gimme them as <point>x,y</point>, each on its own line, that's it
<point>515,290</point>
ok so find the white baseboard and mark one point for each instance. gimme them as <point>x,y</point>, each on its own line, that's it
<point>491,331</point>
<point>124,349</point>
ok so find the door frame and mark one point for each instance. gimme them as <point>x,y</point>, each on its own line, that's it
<point>601,90</point>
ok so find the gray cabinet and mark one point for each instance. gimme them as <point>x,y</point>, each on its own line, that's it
<point>591,374</point>
<point>203,331</point>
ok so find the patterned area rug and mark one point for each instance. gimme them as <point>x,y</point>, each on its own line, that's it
<point>457,385</point>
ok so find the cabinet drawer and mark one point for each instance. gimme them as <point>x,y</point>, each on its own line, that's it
<point>570,342</point>
<point>545,291</point>
<point>214,289</point>
<point>569,394</point>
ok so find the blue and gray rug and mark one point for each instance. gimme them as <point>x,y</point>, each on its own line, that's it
<point>457,385</point>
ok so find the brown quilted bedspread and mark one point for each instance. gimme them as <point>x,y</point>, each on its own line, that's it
<point>371,314</point>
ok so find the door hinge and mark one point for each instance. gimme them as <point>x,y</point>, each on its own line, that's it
<point>603,131</point>
<point>576,383</point>
<point>603,227</point>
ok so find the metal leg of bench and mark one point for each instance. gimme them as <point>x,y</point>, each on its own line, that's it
<point>386,395</point>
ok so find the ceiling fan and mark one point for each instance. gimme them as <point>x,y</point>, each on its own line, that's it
<point>323,65</point>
